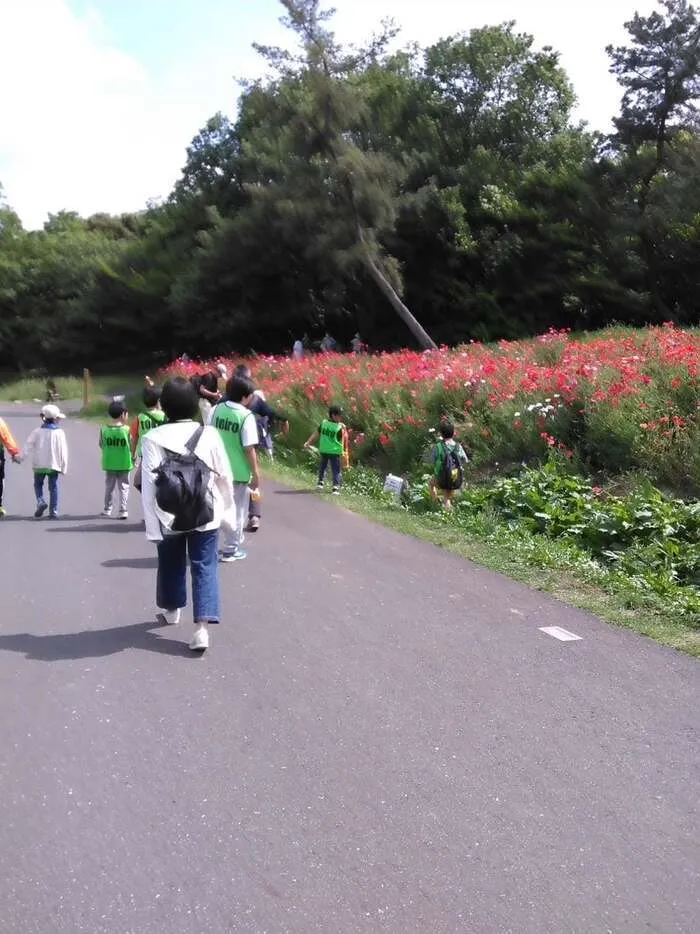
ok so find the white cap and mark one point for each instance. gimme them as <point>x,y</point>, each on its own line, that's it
<point>221,367</point>
<point>52,412</point>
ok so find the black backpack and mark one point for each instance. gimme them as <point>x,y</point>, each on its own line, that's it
<point>182,487</point>
<point>451,475</point>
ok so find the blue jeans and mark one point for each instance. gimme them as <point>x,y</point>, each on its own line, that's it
<point>53,491</point>
<point>171,584</point>
<point>334,461</point>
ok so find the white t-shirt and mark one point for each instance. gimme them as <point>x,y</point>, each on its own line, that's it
<point>48,449</point>
<point>210,449</point>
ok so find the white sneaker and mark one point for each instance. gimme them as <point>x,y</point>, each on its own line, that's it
<point>123,514</point>
<point>107,513</point>
<point>200,640</point>
<point>171,617</point>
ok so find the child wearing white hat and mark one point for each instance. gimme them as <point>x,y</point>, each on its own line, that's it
<point>48,450</point>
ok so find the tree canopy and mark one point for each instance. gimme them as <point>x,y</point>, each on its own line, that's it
<point>417,195</point>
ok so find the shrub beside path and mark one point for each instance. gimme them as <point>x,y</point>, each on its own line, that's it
<point>381,738</point>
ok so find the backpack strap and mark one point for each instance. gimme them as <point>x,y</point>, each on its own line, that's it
<point>194,439</point>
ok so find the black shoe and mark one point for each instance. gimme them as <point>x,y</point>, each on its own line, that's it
<point>40,510</point>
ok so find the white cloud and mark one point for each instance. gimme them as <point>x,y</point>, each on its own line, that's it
<point>78,129</point>
<point>579,31</point>
<point>84,126</point>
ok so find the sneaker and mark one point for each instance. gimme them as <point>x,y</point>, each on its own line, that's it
<point>53,515</point>
<point>200,639</point>
<point>123,514</point>
<point>40,510</point>
<point>106,513</point>
<point>3,512</point>
<point>169,617</point>
<point>228,557</point>
<point>253,524</point>
<point>336,491</point>
<point>319,486</point>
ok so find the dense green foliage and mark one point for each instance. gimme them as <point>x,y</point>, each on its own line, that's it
<point>354,185</point>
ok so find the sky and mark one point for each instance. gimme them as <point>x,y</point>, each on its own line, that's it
<point>100,98</point>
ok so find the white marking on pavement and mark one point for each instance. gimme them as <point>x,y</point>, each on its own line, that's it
<point>563,635</point>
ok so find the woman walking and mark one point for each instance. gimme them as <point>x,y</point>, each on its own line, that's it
<point>186,481</point>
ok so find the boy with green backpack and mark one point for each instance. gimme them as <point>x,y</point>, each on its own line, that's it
<point>449,460</point>
<point>117,461</point>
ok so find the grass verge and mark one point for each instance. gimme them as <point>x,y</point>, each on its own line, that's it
<point>540,563</point>
<point>71,388</point>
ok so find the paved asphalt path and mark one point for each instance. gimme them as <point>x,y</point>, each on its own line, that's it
<point>380,739</point>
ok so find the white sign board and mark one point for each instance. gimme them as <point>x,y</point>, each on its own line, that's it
<point>394,485</point>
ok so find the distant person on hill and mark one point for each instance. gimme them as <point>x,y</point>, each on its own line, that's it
<point>150,417</point>
<point>117,460</point>
<point>187,490</point>
<point>331,436</point>
<point>357,345</point>
<point>298,350</point>
<point>328,343</point>
<point>266,417</point>
<point>237,428</point>
<point>449,460</point>
<point>7,443</point>
<point>48,449</point>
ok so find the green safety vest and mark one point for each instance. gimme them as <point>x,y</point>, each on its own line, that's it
<point>116,449</point>
<point>229,423</point>
<point>148,421</point>
<point>330,437</point>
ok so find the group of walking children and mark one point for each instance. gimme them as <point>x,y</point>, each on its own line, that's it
<point>196,479</point>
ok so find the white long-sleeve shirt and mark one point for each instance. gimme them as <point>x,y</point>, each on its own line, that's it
<point>173,436</point>
<point>48,448</point>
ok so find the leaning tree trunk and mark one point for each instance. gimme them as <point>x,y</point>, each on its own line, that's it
<point>411,322</point>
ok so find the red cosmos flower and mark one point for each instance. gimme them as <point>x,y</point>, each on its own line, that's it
<point>602,371</point>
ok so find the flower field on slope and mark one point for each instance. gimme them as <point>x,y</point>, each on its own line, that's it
<point>566,436</point>
<point>617,401</point>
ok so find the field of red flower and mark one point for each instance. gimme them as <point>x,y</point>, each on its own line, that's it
<point>613,401</point>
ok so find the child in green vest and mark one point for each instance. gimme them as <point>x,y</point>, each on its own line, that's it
<point>331,436</point>
<point>238,430</point>
<point>151,417</point>
<point>116,458</point>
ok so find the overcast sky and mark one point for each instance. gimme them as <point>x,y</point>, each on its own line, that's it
<point>100,98</point>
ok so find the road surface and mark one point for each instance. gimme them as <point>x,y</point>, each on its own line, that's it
<point>380,739</point>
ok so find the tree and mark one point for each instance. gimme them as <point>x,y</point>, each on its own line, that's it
<point>350,191</point>
<point>660,72</point>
